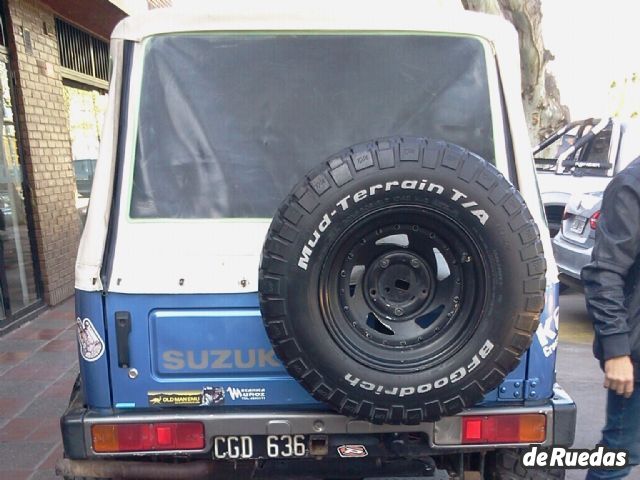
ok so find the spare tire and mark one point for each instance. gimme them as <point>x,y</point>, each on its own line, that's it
<point>402,280</point>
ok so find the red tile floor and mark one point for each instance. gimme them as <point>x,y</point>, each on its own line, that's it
<point>38,366</point>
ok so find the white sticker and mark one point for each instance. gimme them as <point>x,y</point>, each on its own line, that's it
<point>547,332</point>
<point>352,451</point>
<point>250,394</point>
<point>91,345</point>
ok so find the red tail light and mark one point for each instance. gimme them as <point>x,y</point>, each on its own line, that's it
<point>565,214</point>
<point>593,221</point>
<point>526,428</point>
<point>144,437</point>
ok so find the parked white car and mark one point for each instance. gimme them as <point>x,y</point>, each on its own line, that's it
<point>582,157</point>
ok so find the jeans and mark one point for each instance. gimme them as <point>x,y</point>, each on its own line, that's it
<point>622,431</point>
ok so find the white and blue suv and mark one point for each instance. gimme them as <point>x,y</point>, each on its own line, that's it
<point>315,247</point>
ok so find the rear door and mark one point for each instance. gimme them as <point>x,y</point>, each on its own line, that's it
<point>194,350</point>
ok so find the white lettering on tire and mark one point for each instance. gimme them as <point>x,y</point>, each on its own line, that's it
<point>345,203</point>
<point>455,376</point>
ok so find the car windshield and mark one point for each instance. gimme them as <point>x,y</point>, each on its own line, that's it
<point>228,124</point>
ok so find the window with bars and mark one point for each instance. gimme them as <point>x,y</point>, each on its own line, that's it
<point>82,52</point>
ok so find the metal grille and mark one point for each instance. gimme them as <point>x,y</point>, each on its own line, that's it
<point>82,52</point>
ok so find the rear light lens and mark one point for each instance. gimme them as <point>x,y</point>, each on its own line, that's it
<point>593,221</point>
<point>144,437</point>
<point>526,428</point>
<point>565,214</point>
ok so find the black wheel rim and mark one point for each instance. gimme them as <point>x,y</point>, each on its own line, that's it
<point>403,288</point>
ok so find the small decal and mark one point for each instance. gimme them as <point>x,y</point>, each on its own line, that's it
<point>208,397</point>
<point>547,332</point>
<point>352,451</point>
<point>250,394</point>
<point>91,345</point>
<point>212,396</point>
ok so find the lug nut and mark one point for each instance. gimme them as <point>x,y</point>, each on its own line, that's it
<point>384,263</point>
<point>415,263</point>
<point>398,312</point>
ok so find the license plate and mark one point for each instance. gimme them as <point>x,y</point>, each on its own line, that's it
<point>578,224</point>
<point>267,446</point>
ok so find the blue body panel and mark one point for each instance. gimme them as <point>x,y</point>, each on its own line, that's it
<point>187,343</point>
<point>182,343</point>
<point>95,375</point>
<point>541,374</point>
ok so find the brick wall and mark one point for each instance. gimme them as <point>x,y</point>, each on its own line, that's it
<point>44,133</point>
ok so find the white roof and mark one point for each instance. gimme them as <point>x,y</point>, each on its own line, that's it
<point>402,15</point>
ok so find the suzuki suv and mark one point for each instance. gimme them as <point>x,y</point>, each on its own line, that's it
<point>315,248</point>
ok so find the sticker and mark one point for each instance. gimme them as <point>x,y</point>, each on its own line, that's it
<point>91,345</point>
<point>249,394</point>
<point>208,397</point>
<point>547,332</point>
<point>352,451</point>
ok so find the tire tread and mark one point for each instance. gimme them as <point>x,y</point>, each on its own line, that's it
<point>337,172</point>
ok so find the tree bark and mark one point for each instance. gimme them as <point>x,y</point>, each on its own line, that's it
<point>542,106</point>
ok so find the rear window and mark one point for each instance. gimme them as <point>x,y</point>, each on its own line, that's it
<point>228,124</point>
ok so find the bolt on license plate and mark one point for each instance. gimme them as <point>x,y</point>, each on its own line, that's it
<point>259,446</point>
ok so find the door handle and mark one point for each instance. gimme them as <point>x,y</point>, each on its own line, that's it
<point>123,328</point>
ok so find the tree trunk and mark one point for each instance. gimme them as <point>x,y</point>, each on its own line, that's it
<point>540,95</point>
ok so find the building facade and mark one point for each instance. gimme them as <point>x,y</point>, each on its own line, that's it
<point>54,69</point>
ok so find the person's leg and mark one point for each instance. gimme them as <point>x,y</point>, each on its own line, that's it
<point>622,431</point>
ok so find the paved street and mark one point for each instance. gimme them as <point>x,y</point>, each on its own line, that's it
<point>580,374</point>
<point>38,366</point>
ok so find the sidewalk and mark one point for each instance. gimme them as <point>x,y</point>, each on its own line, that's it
<point>38,366</point>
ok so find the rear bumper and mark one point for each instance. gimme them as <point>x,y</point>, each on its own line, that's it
<point>76,424</point>
<point>570,258</point>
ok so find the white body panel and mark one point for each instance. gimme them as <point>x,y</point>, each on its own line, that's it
<point>179,256</point>
<point>556,189</point>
